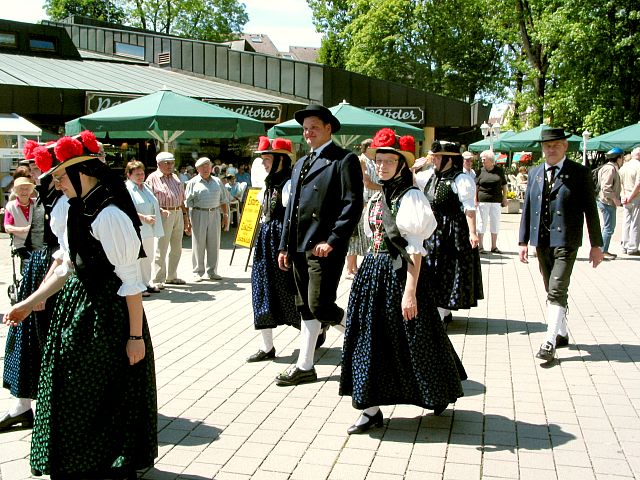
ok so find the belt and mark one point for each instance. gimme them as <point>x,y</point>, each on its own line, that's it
<point>171,208</point>
<point>206,209</point>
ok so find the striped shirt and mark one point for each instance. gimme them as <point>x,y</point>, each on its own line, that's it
<point>167,189</point>
<point>201,193</point>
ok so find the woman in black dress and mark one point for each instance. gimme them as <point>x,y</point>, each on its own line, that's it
<point>452,261</point>
<point>272,290</point>
<point>96,415</point>
<point>395,348</point>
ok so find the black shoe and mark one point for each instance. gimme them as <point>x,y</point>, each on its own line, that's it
<point>261,356</point>
<point>546,352</point>
<point>562,341</point>
<point>296,376</point>
<point>322,337</point>
<point>25,419</point>
<point>153,290</point>
<point>448,318</point>
<point>634,253</point>
<point>372,421</point>
<point>438,409</point>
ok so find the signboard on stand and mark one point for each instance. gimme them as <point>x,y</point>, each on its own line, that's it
<point>249,221</point>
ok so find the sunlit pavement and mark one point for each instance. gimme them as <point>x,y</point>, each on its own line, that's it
<point>222,418</point>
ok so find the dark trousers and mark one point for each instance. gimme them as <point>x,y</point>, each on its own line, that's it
<point>317,281</point>
<point>556,265</point>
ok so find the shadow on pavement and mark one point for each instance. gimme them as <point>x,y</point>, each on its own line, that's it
<point>494,326</point>
<point>616,352</point>
<point>185,432</point>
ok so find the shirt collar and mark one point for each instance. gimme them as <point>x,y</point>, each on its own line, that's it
<point>318,150</point>
<point>559,165</point>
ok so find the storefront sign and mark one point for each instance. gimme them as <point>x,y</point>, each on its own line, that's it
<point>402,114</point>
<point>263,112</point>
<point>96,101</point>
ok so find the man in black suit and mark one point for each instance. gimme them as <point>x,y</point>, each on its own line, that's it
<point>560,196</point>
<point>324,208</point>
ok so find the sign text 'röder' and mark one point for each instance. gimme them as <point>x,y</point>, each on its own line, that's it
<point>403,114</point>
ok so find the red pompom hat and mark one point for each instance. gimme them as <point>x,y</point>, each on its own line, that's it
<point>386,140</point>
<point>274,145</point>
<point>68,151</point>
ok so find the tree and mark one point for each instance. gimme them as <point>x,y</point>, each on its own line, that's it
<point>105,10</point>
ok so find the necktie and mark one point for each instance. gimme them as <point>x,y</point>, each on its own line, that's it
<point>307,165</point>
<point>552,174</point>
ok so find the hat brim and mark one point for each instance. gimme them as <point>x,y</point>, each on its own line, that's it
<point>300,115</point>
<point>410,158</point>
<point>453,154</point>
<point>564,137</point>
<point>277,150</point>
<point>68,163</point>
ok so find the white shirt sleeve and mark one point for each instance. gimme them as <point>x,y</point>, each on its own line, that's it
<point>113,228</point>
<point>423,177</point>
<point>58,224</point>
<point>466,190</point>
<point>286,193</point>
<point>415,221</point>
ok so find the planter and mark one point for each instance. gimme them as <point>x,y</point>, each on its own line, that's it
<point>513,206</point>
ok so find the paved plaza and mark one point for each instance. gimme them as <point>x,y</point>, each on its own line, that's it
<point>222,418</point>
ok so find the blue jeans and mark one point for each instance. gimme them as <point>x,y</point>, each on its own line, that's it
<point>608,223</point>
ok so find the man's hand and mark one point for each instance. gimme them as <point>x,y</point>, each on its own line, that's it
<point>524,253</point>
<point>283,260</point>
<point>323,249</point>
<point>596,256</point>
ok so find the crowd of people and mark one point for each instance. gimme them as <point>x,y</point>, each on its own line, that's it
<point>92,245</point>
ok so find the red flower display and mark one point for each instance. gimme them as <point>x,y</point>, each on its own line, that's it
<point>43,158</point>
<point>385,137</point>
<point>407,143</point>
<point>282,144</point>
<point>89,141</point>
<point>67,148</point>
<point>29,147</point>
<point>263,143</point>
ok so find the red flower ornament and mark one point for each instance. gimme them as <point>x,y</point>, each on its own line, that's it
<point>282,144</point>
<point>67,148</point>
<point>29,147</point>
<point>43,158</point>
<point>407,143</point>
<point>263,144</point>
<point>89,141</point>
<point>385,137</point>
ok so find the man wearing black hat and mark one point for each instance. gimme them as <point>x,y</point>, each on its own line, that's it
<point>560,196</point>
<point>324,209</point>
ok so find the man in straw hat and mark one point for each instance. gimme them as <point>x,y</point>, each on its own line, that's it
<point>324,209</point>
<point>560,196</point>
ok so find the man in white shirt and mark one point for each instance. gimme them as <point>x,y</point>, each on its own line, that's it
<point>630,196</point>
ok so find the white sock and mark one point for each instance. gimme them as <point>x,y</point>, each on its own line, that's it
<point>555,318</point>
<point>563,326</point>
<point>443,312</point>
<point>21,405</point>
<point>371,411</point>
<point>267,339</point>
<point>309,331</point>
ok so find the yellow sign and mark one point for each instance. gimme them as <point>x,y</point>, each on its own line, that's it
<point>249,219</point>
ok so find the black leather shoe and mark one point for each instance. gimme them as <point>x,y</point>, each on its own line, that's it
<point>372,421</point>
<point>261,356</point>
<point>295,376</point>
<point>447,319</point>
<point>546,352</point>
<point>25,419</point>
<point>322,337</point>
<point>438,409</point>
<point>562,341</point>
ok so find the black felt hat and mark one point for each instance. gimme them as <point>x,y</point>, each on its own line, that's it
<point>550,134</point>
<point>323,113</point>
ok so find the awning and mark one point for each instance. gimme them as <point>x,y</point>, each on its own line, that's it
<point>13,124</point>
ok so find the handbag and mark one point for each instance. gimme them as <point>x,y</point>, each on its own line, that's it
<point>12,289</point>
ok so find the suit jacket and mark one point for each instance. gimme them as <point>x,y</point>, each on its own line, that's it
<point>330,202</point>
<point>572,199</point>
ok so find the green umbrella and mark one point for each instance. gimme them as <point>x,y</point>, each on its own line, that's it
<point>529,140</point>
<point>483,145</point>
<point>356,125</point>
<point>165,116</point>
<point>626,138</point>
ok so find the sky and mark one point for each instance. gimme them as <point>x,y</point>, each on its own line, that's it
<point>288,25</point>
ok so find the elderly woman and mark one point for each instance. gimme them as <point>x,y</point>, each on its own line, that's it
<point>491,196</point>
<point>97,414</point>
<point>395,348</point>
<point>452,261</point>
<point>273,291</point>
<point>148,210</point>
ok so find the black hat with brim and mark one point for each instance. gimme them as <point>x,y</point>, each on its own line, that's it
<point>323,113</point>
<point>551,134</point>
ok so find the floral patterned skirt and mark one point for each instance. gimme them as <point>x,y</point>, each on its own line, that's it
<point>387,360</point>
<point>95,412</point>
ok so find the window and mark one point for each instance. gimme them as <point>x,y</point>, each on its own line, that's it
<point>256,38</point>
<point>45,44</point>
<point>8,39</point>
<point>128,50</point>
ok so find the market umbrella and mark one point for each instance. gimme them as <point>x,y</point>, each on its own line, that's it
<point>14,124</point>
<point>356,125</point>
<point>483,145</point>
<point>529,140</point>
<point>626,138</point>
<point>165,116</point>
